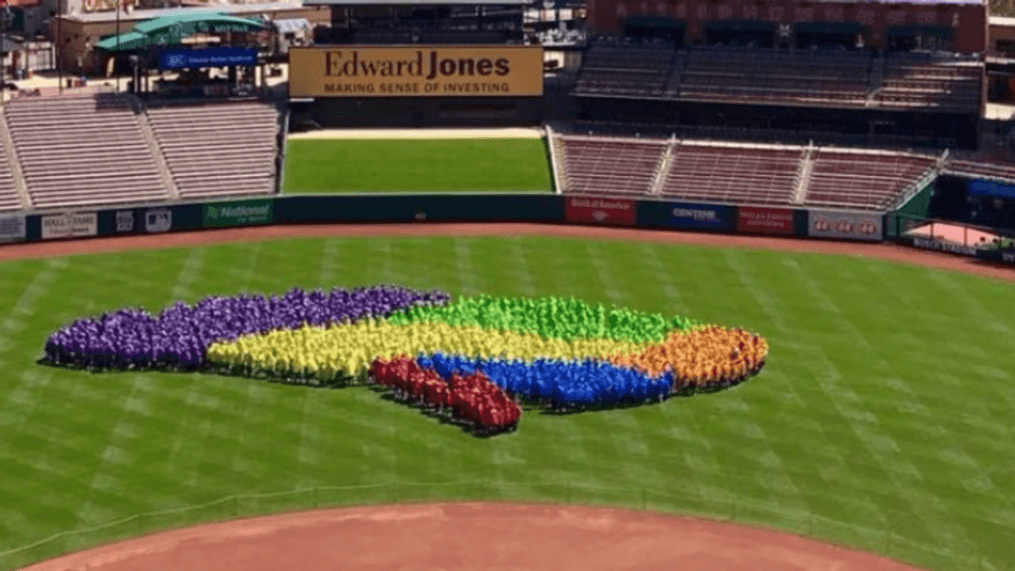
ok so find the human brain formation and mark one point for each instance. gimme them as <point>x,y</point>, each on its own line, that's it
<point>476,360</point>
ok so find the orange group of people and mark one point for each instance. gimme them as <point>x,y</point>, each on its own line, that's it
<point>473,399</point>
<point>709,357</point>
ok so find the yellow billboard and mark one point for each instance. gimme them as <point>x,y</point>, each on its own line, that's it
<point>416,71</point>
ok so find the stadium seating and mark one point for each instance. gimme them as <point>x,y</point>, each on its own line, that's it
<point>737,173</point>
<point>609,166</point>
<point>734,174</point>
<point>994,171</point>
<point>769,75</point>
<point>870,181</point>
<point>9,199</point>
<point>218,150</point>
<point>618,69</point>
<point>844,78</point>
<point>83,150</point>
<point>921,80</point>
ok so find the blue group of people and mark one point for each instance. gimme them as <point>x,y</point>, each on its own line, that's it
<point>560,385</point>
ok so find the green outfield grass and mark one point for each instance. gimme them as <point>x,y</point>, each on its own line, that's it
<point>480,165</point>
<point>886,403</point>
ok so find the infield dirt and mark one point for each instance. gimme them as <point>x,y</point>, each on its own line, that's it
<point>470,537</point>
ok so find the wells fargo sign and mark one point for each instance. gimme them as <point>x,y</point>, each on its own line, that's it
<point>425,71</point>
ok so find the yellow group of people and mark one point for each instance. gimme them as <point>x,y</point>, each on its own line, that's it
<point>703,354</point>
<point>349,349</point>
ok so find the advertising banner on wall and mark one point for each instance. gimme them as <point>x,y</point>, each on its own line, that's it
<point>844,225</point>
<point>159,220</point>
<point>702,217</point>
<point>124,221</point>
<point>242,213</point>
<point>70,225</point>
<point>765,220</point>
<point>599,211</point>
<point>423,71</point>
<point>12,228</point>
<point>945,246</point>
<point>181,58</point>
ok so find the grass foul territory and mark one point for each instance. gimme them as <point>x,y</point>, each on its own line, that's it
<point>885,403</point>
<point>408,165</point>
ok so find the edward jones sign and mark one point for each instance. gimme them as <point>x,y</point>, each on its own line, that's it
<point>599,211</point>
<point>426,71</point>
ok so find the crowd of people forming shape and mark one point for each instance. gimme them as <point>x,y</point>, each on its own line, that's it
<point>474,359</point>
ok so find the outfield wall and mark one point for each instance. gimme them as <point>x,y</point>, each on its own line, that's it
<point>537,208</point>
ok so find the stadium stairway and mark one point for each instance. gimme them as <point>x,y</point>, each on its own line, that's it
<point>664,167</point>
<point>13,194</point>
<point>804,176</point>
<point>677,76</point>
<point>153,144</point>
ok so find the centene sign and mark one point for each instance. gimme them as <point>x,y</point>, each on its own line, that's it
<point>701,217</point>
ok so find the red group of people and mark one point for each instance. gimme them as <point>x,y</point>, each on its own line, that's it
<point>473,398</point>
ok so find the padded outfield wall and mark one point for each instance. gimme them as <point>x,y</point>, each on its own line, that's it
<point>486,207</point>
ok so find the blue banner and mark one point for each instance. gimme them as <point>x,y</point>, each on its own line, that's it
<point>702,217</point>
<point>180,58</point>
<point>991,189</point>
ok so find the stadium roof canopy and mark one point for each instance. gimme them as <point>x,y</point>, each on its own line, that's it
<point>924,2</point>
<point>241,10</point>
<point>171,29</point>
<point>128,42</point>
<point>416,2</point>
<point>199,19</point>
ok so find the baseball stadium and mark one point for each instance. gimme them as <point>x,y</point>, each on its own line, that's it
<point>579,285</point>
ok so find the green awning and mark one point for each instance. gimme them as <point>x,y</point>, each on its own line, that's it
<point>128,42</point>
<point>740,26</point>
<point>189,21</point>
<point>851,28</point>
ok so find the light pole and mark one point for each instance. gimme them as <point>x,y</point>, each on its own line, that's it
<point>4,16</point>
<point>116,55</point>
<point>59,48</point>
